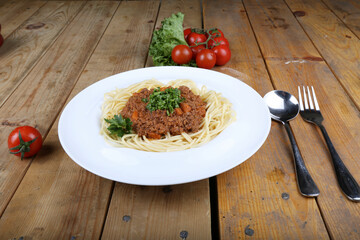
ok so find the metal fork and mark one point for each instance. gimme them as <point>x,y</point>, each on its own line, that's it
<point>311,113</point>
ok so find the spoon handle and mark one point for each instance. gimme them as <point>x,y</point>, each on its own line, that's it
<point>305,182</point>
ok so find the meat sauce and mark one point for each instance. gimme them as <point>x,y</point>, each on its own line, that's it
<point>155,124</point>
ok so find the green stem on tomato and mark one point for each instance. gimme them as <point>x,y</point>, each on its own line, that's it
<point>23,147</point>
<point>218,34</point>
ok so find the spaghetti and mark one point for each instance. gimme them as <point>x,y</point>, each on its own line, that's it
<point>219,115</point>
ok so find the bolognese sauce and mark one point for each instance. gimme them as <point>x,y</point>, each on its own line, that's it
<point>187,117</point>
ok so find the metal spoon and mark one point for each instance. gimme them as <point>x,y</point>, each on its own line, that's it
<point>284,107</point>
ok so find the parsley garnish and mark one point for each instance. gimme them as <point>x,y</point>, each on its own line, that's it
<point>119,125</point>
<point>168,100</point>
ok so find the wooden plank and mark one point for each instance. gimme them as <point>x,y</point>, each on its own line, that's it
<point>338,46</point>
<point>284,46</point>
<point>159,212</point>
<point>40,97</point>
<point>24,47</point>
<point>348,11</point>
<point>259,198</point>
<point>14,13</point>
<point>138,212</point>
<point>131,52</point>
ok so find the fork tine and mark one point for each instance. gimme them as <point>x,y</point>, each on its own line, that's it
<point>315,100</point>
<point>305,99</point>
<point>300,100</point>
<point>310,100</point>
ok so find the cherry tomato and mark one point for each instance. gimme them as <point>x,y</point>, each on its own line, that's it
<point>181,54</point>
<point>24,141</point>
<point>215,32</point>
<point>194,38</point>
<point>221,40</point>
<point>186,33</point>
<point>206,58</point>
<point>196,50</point>
<point>223,54</point>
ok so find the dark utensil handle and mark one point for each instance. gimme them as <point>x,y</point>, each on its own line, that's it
<point>306,184</point>
<point>346,181</point>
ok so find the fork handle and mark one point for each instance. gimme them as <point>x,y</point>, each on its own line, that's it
<point>305,182</point>
<point>346,181</point>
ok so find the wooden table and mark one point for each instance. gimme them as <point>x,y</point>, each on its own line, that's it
<point>54,49</point>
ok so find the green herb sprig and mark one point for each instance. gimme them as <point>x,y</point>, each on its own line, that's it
<point>119,126</point>
<point>168,100</point>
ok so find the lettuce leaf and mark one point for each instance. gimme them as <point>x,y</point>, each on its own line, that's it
<point>166,38</point>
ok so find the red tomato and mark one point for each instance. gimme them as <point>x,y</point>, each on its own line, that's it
<point>221,40</point>
<point>186,33</point>
<point>181,54</point>
<point>24,141</point>
<point>196,50</point>
<point>206,58</point>
<point>223,54</point>
<point>215,32</point>
<point>194,38</point>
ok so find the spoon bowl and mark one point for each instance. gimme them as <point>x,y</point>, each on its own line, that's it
<point>282,105</point>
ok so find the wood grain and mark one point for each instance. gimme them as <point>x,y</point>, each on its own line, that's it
<point>279,33</point>
<point>40,97</point>
<point>25,46</point>
<point>338,46</point>
<point>259,199</point>
<point>348,11</point>
<point>14,13</point>
<point>111,56</point>
<point>57,199</point>
<point>159,212</point>
<point>138,212</point>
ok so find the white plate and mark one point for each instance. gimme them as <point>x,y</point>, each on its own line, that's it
<point>79,128</point>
